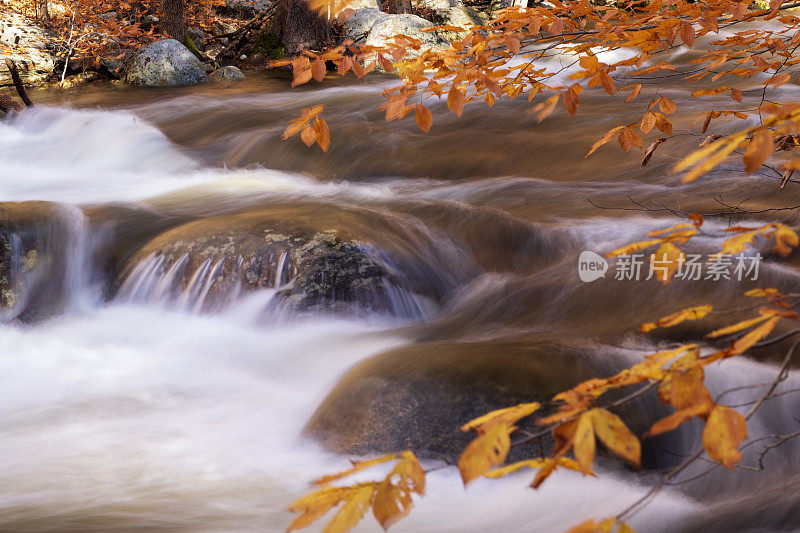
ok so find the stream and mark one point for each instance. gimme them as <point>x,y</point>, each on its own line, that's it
<point>139,394</point>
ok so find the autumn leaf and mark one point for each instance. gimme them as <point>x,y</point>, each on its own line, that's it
<point>565,462</point>
<point>725,429</point>
<point>507,416</point>
<point>424,118</point>
<point>485,452</point>
<point>456,100</point>
<point>691,313</point>
<point>584,444</point>
<point>323,134</point>
<point>761,146</point>
<point>616,436</point>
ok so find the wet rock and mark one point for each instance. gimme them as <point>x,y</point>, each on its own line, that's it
<point>32,51</point>
<point>165,63</point>
<point>312,269</point>
<point>34,239</point>
<point>416,397</point>
<point>229,73</point>
<point>358,24</point>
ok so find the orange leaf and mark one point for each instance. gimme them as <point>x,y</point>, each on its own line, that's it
<point>691,313</point>
<point>424,118</point>
<point>761,146</point>
<point>456,100</point>
<point>323,134</point>
<point>725,429</point>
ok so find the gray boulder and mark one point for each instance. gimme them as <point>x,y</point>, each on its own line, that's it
<point>359,23</point>
<point>229,73</point>
<point>384,30</point>
<point>247,8</point>
<point>450,12</point>
<point>165,63</point>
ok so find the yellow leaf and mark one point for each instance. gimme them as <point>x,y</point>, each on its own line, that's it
<point>485,452</point>
<point>691,313</point>
<point>744,343</point>
<point>785,239</point>
<point>566,462</point>
<point>506,416</point>
<point>633,247</point>
<point>616,436</point>
<point>584,445</point>
<point>737,327</point>
<point>590,526</point>
<point>676,419</point>
<point>352,511</point>
<point>315,505</point>
<point>357,467</point>
<point>724,430</point>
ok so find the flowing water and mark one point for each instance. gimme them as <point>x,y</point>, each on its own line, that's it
<point>132,401</point>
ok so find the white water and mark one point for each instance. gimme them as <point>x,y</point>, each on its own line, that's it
<point>123,416</point>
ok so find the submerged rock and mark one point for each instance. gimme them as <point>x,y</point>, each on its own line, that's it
<point>416,397</point>
<point>165,63</point>
<point>229,73</point>
<point>37,268</point>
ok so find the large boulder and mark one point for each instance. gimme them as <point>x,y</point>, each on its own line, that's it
<point>32,51</point>
<point>39,257</point>
<point>385,29</point>
<point>165,63</point>
<point>211,262</point>
<point>450,12</point>
<point>358,23</point>
<point>416,397</point>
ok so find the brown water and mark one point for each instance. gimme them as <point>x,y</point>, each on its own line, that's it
<point>121,413</point>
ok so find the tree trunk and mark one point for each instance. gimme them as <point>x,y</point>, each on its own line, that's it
<point>300,28</point>
<point>42,11</point>
<point>173,23</point>
<point>399,6</point>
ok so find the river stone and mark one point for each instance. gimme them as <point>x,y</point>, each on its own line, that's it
<point>165,63</point>
<point>229,73</point>
<point>358,23</point>
<point>247,8</point>
<point>32,51</point>
<point>450,12</point>
<point>384,30</point>
<point>313,269</point>
<point>34,247</point>
<point>417,396</point>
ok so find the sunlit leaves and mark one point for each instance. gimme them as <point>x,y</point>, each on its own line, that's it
<point>691,313</point>
<point>390,498</point>
<point>724,430</point>
<point>491,446</point>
